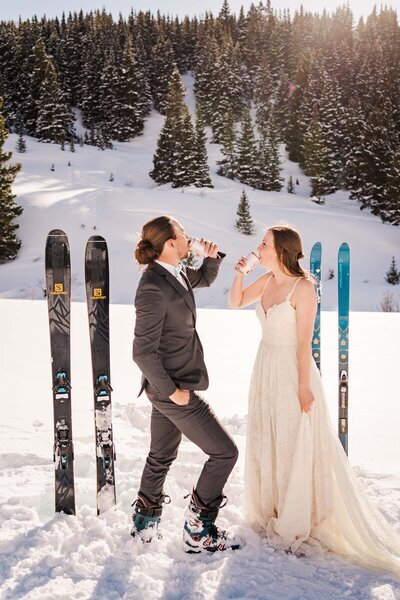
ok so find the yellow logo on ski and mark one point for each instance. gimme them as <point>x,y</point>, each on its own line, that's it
<point>98,294</point>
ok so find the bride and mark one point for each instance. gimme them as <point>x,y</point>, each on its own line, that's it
<point>300,491</point>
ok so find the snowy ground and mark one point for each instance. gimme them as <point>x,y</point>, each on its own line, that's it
<point>47,556</point>
<point>80,197</point>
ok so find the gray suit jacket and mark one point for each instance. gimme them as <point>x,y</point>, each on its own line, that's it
<point>166,345</point>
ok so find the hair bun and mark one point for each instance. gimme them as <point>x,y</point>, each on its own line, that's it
<point>146,244</point>
<point>145,252</point>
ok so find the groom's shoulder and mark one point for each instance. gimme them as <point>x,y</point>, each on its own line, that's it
<point>151,276</point>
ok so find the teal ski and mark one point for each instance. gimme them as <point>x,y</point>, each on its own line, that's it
<point>315,268</point>
<point>343,349</point>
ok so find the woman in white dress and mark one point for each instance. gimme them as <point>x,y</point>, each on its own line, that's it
<point>300,491</point>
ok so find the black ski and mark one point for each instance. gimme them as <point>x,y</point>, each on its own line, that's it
<point>97,294</point>
<point>58,291</point>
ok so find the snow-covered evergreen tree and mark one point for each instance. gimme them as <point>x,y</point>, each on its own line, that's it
<point>54,120</point>
<point>247,153</point>
<point>263,95</point>
<point>375,158</point>
<point>201,175</point>
<point>227,89</point>
<point>269,159</point>
<point>170,138</point>
<point>162,67</point>
<point>393,275</point>
<point>124,96</point>
<point>244,222</point>
<point>227,166</point>
<point>290,186</point>
<point>21,144</point>
<point>185,162</point>
<point>91,84</point>
<point>35,67</point>
<point>315,158</point>
<point>205,76</point>
<point>9,210</point>
<point>389,204</point>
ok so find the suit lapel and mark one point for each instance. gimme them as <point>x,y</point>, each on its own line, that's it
<point>187,295</point>
<point>185,277</point>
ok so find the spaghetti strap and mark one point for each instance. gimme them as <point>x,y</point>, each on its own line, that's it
<point>293,288</point>
<point>265,286</point>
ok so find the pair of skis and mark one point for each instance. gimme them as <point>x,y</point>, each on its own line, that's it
<point>343,329</point>
<point>58,291</point>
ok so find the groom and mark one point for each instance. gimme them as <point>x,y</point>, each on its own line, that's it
<point>168,351</point>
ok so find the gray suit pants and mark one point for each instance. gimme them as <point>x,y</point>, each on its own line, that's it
<point>199,424</point>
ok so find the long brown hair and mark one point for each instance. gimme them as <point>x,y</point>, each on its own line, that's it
<point>153,237</point>
<point>289,249</point>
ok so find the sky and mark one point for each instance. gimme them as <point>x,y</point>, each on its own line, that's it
<point>26,8</point>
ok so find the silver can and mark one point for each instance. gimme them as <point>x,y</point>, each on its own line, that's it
<point>252,260</point>
<point>197,247</point>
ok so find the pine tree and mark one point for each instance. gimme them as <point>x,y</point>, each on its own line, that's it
<point>332,125</point>
<point>247,153</point>
<point>315,159</point>
<point>263,95</point>
<point>201,175</point>
<point>35,67</point>
<point>21,144</point>
<point>389,205</point>
<point>206,75</point>
<point>393,275</point>
<point>125,96</point>
<point>54,121</point>
<point>162,67</point>
<point>269,160</point>
<point>227,166</point>
<point>9,210</point>
<point>375,158</point>
<point>290,186</point>
<point>91,84</point>
<point>184,169</point>
<point>227,89</point>
<point>170,138</point>
<point>293,136</point>
<point>244,222</point>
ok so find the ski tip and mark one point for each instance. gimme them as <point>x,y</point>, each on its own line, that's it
<point>317,245</point>
<point>95,239</point>
<point>56,233</point>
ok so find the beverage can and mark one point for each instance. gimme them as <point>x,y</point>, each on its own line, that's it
<point>252,260</point>
<point>197,247</point>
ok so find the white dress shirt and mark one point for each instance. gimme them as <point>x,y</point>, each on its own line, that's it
<point>175,271</point>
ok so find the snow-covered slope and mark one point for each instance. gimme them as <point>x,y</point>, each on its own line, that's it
<point>80,198</point>
<point>56,557</point>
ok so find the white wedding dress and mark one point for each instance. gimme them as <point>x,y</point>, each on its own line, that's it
<point>300,491</point>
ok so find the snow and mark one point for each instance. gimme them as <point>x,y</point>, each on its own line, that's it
<point>53,556</point>
<point>47,555</point>
<point>81,200</point>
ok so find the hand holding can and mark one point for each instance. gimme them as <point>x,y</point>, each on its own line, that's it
<point>197,247</point>
<point>246,264</point>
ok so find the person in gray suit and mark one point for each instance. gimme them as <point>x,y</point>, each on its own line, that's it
<point>168,351</point>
